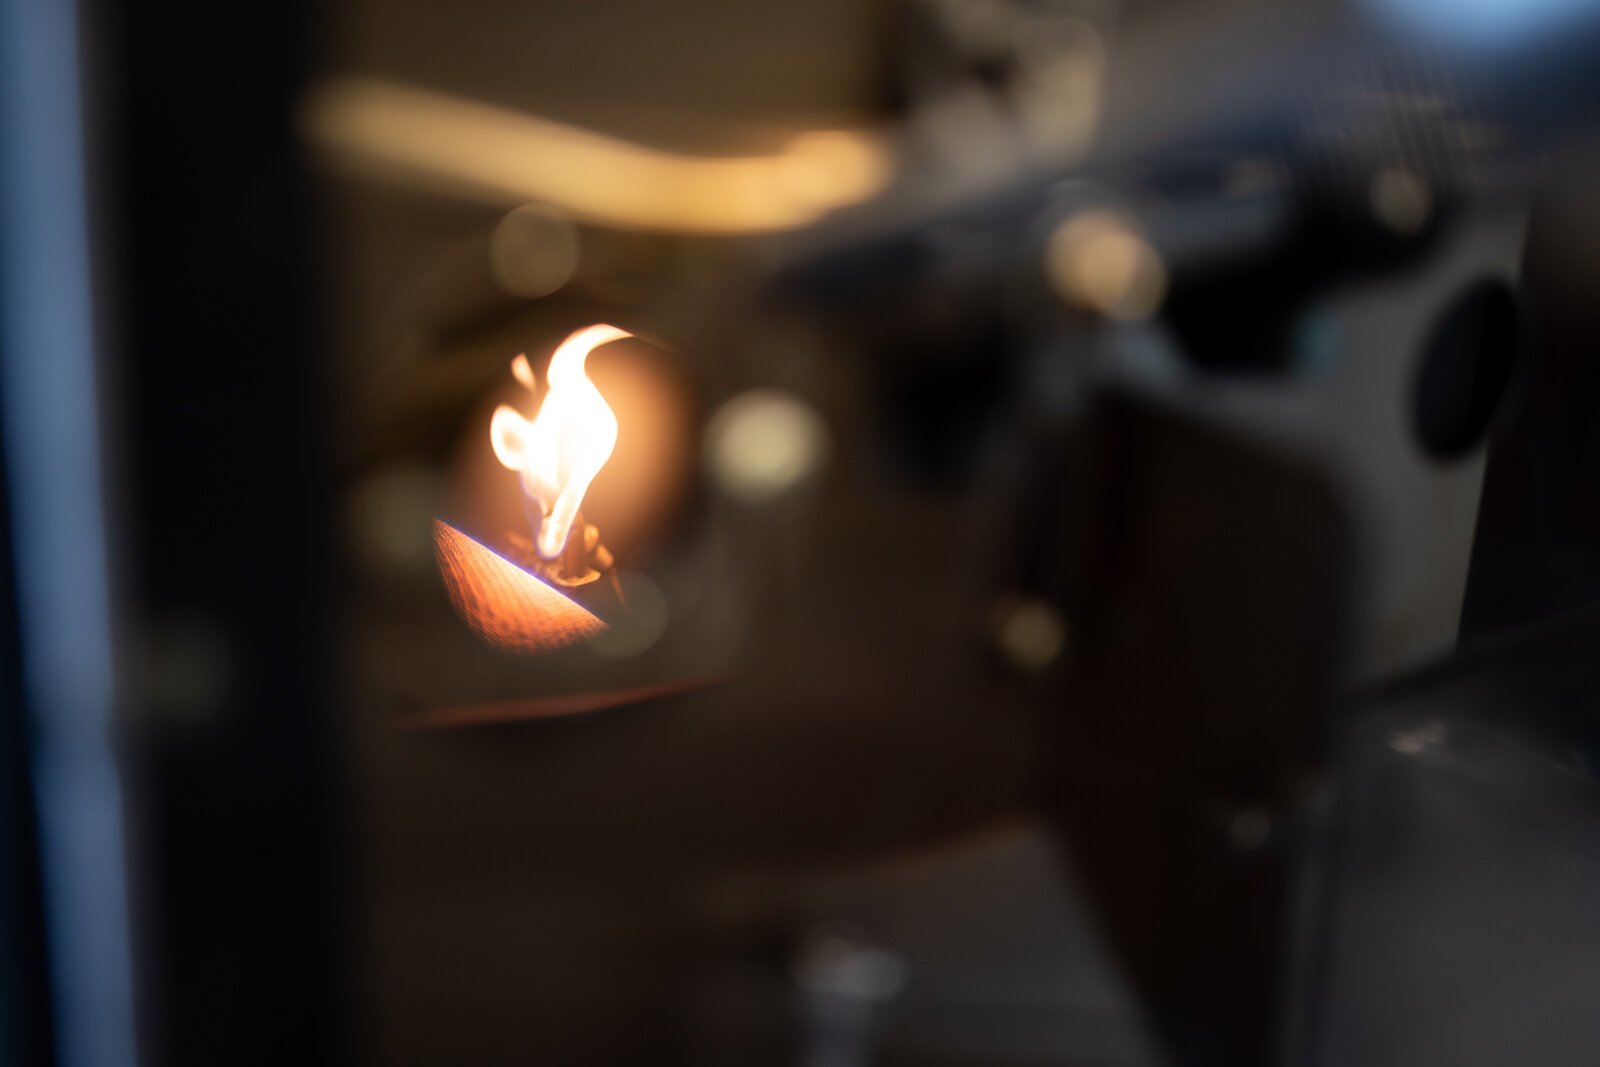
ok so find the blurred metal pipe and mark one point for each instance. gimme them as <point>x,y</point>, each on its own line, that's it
<point>52,454</point>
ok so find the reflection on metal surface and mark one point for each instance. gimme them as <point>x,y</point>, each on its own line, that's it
<point>762,443</point>
<point>510,607</point>
<point>1401,200</point>
<point>1030,633</point>
<point>1100,261</point>
<point>643,622</point>
<point>511,158</point>
<point>388,519</point>
<point>533,251</point>
<point>845,978</point>
<point>548,707</point>
<point>1419,739</point>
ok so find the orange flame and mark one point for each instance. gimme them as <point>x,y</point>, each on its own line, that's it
<point>510,607</point>
<point>560,450</point>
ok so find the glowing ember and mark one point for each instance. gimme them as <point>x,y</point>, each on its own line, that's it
<point>560,450</point>
<point>510,607</point>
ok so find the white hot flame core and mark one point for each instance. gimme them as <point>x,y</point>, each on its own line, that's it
<point>560,450</point>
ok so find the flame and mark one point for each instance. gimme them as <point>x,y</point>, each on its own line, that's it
<point>560,450</point>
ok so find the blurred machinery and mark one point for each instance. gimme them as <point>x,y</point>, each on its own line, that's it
<point>1091,561</point>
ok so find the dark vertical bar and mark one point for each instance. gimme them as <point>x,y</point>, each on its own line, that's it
<point>224,493</point>
<point>1536,549</point>
<point>1181,788</point>
<point>24,974</point>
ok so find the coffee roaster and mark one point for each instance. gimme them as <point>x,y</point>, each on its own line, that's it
<point>921,533</point>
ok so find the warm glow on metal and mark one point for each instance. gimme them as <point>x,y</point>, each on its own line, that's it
<point>560,450</point>
<point>1101,261</point>
<point>510,607</point>
<point>511,158</point>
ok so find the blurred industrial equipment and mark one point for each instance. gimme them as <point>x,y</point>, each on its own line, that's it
<point>910,532</point>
